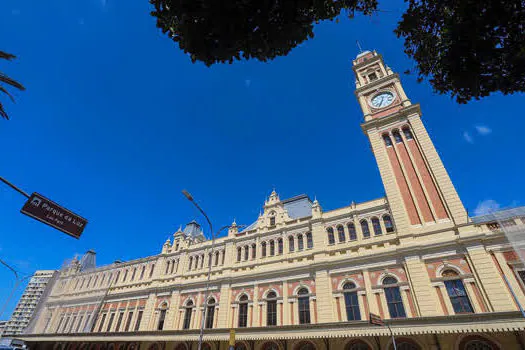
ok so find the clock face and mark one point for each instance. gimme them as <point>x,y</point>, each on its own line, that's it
<point>382,99</point>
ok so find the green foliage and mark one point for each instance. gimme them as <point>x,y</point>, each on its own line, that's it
<point>6,80</point>
<point>214,31</point>
<point>467,48</point>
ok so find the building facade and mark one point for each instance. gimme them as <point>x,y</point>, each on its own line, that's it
<point>301,278</point>
<point>28,302</point>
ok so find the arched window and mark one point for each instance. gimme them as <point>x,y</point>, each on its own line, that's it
<point>303,302</point>
<point>190,263</point>
<point>217,258</point>
<point>388,141</point>
<point>89,281</point>
<point>365,229</point>
<point>187,315</point>
<point>393,298</point>
<point>246,252</point>
<point>254,251</point>
<point>210,313</point>
<point>309,240</point>
<point>291,244</point>
<point>222,254</point>
<point>351,302</point>
<point>202,261</point>
<point>116,279</point>
<point>271,309</point>
<point>457,293</point>
<point>272,219</point>
<point>389,226</point>
<point>330,233</point>
<point>300,243</point>
<point>151,271</point>
<point>133,274</point>
<point>341,233</point>
<point>125,276</point>
<point>305,346</point>
<point>167,267</point>
<point>280,246</point>
<point>272,247</point>
<point>408,133</point>
<point>357,345</point>
<point>209,259</point>
<point>476,342</point>
<point>173,267</point>
<point>270,346</point>
<point>377,226</point>
<point>240,346</point>
<point>243,311</point>
<point>406,344</point>
<point>397,136</point>
<point>162,317</point>
<point>196,266</point>
<point>142,272</point>
<point>101,280</point>
<point>239,253</point>
<point>263,249</point>
<point>351,231</point>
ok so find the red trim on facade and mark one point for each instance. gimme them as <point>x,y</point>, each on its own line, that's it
<point>380,306</point>
<point>411,303</point>
<point>365,304</point>
<point>403,187</point>
<point>338,305</point>
<point>414,181</point>
<point>495,260</point>
<point>442,301</point>
<point>430,186</point>
<point>478,296</point>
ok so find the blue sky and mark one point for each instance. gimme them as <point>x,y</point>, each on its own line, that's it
<point>116,121</point>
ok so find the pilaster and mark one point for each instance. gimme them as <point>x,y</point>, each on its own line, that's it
<point>423,294</point>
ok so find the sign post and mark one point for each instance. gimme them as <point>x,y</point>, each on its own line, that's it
<point>50,213</point>
<point>378,321</point>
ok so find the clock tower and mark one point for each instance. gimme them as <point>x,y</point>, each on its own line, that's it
<point>417,186</point>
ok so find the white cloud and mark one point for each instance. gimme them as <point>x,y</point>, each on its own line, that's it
<point>483,130</point>
<point>486,207</point>
<point>247,82</point>
<point>468,137</point>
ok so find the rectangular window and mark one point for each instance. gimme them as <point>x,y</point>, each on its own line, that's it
<point>60,324</point>
<point>128,322</point>
<point>110,323</point>
<point>243,315</point>
<point>79,324</point>
<point>394,302</point>
<point>458,296</point>
<point>119,321</point>
<point>352,306</point>
<point>271,313</point>
<point>139,318</point>
<point>372,76</point>
<point>304,310</point>
<point>101,323</point>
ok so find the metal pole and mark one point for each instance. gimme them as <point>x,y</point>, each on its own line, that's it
<point>23,193</point>
<point>392,335</point>
<point>204,308</point>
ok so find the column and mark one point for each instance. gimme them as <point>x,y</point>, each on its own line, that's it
<point>371,299</point>
<point>324,297</point>
<point>286,310</point>
<point>491,280</point>
<point>225,309</point>
<point>420,281</point>
<point>147,317</point>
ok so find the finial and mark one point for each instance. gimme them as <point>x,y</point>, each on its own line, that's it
<point>359,46</point>
<point>234,223</point>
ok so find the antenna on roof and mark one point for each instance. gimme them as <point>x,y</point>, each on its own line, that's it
<point>359,46</point>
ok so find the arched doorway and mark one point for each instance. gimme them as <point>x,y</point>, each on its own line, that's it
<point>477,342</point>
<point>270,346</point>
<point>357,345</point>
<point>405,344</point>
<point>305,345</point>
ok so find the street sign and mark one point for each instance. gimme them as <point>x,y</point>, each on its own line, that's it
<point>45,210</point>
<point>376,319</point>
